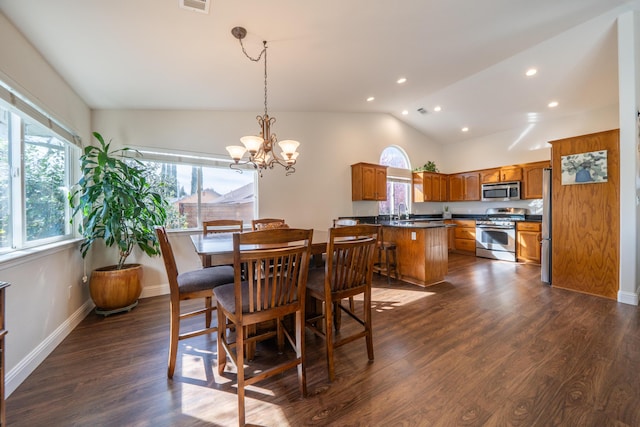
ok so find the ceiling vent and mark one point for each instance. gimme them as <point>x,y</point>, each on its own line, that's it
<point>195,5</point>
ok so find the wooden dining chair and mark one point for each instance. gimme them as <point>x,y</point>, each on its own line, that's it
<point>189,285</point>
<point>267,223</point>
<point>222,226</point>
<point>347,273</point>
<point>274,287</point>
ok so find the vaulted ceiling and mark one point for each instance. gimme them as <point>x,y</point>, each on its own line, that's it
<point>467,56</point>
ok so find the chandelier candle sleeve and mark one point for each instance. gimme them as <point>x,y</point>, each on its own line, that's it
<point>261,148</point>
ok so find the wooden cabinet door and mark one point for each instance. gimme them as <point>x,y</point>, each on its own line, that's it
<point>418,187</point>
<point>513,173</point>
<point>528,238</point>
<point>380,183</point>
<point>368,183</point>
<point>489,176</point>
<point>472,186</point>
<point>532,180</point>
<point>456,188</point>
<point>443,188</point>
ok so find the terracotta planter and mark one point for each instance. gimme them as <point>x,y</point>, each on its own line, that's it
<point>113,291</point>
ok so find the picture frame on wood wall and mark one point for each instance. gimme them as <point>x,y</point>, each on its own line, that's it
<point>584,168</point>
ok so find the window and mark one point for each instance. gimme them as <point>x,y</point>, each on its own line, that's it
<point>198,192</point>
<point>34,181</point>
<point>398,181</point>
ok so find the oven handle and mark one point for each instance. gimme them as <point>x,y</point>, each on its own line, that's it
<point>495,227</point>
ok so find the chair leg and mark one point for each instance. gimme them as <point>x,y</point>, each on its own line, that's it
<point>280,334</point>
<point>337,316</point>
<point>328,317</point>
<point>207,315</point>
<point>174,337</point>
<point>302,375</point>
<point>367,323</point>
<point>240,376</point>
<point>395,264</point>
<point>222,336</point>
<point>388,265</point>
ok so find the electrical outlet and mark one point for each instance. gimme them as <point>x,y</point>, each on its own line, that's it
<point>413,235</point>
<point>84,279</point>
<point>69,292</point>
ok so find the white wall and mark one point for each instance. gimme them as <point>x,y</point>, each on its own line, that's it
<point>46,298</point>
<point>320,190</point>
<point>629,81</point>
<point>524,145</point>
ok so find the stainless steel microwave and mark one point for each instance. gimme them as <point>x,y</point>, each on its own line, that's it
<point>501,191</point>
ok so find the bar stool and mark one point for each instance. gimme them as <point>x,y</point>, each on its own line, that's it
<point>390,258</point>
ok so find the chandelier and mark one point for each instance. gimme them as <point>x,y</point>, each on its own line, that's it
<point>261,148</point>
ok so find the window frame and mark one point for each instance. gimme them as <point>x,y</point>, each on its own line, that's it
<point>17,121</point>
<point>397,175</point>
<point>200,160</point>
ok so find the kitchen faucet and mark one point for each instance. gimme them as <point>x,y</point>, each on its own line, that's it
<point>402,207</point>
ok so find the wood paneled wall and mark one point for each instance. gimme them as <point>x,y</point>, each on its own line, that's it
<point>586,220</point>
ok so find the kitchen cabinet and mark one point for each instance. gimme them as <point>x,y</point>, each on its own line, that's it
<point>528,238</point>
<point>368,182</point>
<point>464,186</point>
<point>585,254</point>
<point>464,236</point>
<point>422,256</point>
<point>532,179</point>
<point>451,236</point>
<point>503,174</point>
<point>429,187</point>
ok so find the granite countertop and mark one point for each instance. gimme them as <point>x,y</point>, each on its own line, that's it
<point>413,223</point>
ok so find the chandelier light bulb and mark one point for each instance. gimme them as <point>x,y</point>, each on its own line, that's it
<point>288,146</point>
<point>252,142</point>
<point>236,152</point>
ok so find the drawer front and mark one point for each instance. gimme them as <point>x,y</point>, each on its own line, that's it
<point>466,245</point>
<point>465,223</point>
<point>529,226</point>
<point>465,233</point>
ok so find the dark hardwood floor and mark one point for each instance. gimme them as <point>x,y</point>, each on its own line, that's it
<point>491,346</point>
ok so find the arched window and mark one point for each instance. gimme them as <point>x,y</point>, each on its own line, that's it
<point>398,182</point>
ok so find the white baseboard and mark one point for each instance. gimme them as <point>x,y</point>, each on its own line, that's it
<point>26,366</point>
<point>628,297</point>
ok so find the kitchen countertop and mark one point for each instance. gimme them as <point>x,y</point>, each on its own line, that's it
<point>412,223</point>
<point>384,219</point>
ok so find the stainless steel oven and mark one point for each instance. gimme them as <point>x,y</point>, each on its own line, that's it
<point>496,234</point>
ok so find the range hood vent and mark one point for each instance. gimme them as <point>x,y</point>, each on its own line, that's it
<point>195,5</point>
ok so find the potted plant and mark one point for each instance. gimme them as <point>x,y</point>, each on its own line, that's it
<point>427,167</point>
<point>119,207</point>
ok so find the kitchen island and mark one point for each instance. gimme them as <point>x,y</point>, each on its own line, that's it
<point>422,249</point>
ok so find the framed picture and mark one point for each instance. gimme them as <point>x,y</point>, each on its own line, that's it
<point>584,168</point>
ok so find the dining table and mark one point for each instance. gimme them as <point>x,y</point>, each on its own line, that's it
<point>217,248</point>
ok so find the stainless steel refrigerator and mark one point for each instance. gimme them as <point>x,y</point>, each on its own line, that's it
<point>546,226</point>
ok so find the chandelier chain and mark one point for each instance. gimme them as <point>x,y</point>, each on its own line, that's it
<point>257,59</point>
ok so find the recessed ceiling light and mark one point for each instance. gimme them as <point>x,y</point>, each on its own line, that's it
<point>405,112</point>
<point>531,72</point>
<point>401,80</point>
<point>437,108</point>
<point>553,104</point>
<point>465,129</point>
<point>369,99</point>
